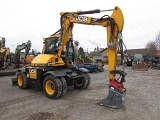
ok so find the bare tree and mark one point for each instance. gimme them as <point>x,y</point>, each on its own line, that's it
<point>151,48</point>
<point>157,41</point>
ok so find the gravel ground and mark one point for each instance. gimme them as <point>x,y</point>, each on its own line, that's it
<point>142,100</point>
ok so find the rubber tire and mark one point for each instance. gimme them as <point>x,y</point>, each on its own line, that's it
<point>24,80</point>
<point>89,80</point>
<point>64,86</point>
<point>84,82</point>
<point>58,87</point>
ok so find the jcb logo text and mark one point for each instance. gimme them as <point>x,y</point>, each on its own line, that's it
<point>82,19</point>
<point>33,71</point>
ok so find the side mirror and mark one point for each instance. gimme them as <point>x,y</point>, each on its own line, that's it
<point>58,44</point>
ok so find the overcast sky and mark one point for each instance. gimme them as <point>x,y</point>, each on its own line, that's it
<point>23,20</point>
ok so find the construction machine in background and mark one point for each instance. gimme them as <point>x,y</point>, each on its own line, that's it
<point>19,58</point>
<point>54,70</point>
<point>129,60</point>
<point>83,60</point>
<point>155,62</point>
<point>10,62</point>
<point>139,63</point>
<point>31,55</point>
<point>4,55</point>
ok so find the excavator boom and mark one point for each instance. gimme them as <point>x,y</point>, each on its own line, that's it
<point>114,26</point>
<point>19,48</point>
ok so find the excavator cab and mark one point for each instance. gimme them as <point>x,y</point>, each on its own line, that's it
<point>51,45</point>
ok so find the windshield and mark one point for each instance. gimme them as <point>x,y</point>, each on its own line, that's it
<point>51,45</point>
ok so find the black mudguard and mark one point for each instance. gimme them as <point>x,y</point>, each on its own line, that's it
<point>82,70</point>
<point>55,73</point>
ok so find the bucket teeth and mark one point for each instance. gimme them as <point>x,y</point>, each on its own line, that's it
<point>115,98</point>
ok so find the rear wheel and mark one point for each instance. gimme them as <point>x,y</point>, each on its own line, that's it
<point>64,85</point>
<point>22,80</point>
<point>52,87</point>
<point>82,83</point>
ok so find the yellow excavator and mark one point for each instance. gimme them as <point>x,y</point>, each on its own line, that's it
<point>54,69</point>
<point>4,55</point>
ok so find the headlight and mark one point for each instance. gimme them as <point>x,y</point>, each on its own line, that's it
<point>27,75</point>
<point>48,64</point>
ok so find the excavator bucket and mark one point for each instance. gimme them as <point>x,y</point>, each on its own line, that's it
<point>115,98</point>
<point>117,92</point>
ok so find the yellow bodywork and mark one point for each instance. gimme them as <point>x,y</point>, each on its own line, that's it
<point>47,60</point>
<point>33,73</point>
<point>112,53</point>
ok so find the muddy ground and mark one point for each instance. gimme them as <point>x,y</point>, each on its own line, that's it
<point>142,100</point>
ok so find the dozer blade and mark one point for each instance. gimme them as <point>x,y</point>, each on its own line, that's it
<point>14,81</point>
<point>115,98</point>
<point>140,67</point>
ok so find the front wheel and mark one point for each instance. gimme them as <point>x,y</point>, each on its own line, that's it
<point>22,80</point>
<point>52,87</point>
